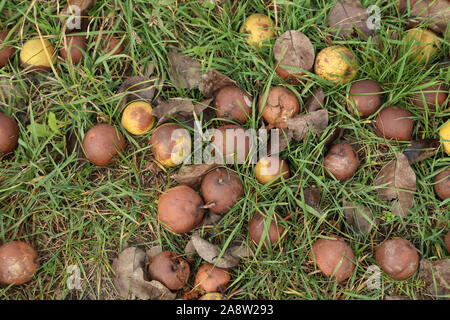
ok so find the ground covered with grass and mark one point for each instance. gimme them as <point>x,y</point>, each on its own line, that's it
<point>75,213</point>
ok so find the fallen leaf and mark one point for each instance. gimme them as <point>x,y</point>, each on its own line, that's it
<point>316,101</point>
<point>335,134</point>
<point>137,88</point>
<point>210,253</point>
<point>301,125</point>
<point>179,107</point>
<point>436,276</point>
<point>213,81</point>
<point>345,16</point>
<point>294,52</point>
<point>312,196</point>
<point>129,277</point>
<point>153,251</point>
<point>192,175</point>
<point>396,182</point>
<point>358,217</point>
<point>421,150</point>
<point>184,71</point>
<point>435,13</point>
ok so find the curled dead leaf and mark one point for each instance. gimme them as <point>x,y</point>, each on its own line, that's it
<point>192,175</point>
<point>294,52</point>
<point>316,122</point>
<point>137,88</point>
<point>436,275</point>
<point>316,101</point>
<point>212,81</point>
<point>179,107</point>
<point>210,253</point>
<point>312,197</point>
<point>396,182</point>
<point>185,72</point>
<point>358,217</point>
<point>435,13</point>
<point>346,16</point>
<point>421,150</point>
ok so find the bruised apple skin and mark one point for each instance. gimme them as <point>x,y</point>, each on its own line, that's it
<point>398,258</point>
<point>222,188</point>
<point>38,55</point>
<point>233,103</point>
<point>334,257</point>
<point>447,241</point>
<point>180,209</point>
<point>212,296</point>
<point>365,98</point>
<point>336,64</point>
<point>9,134</point>
<point>394,123</point>
<point>73,48</point>
<point>423,44</point>
<point>6,52</point>
<point>270,167</point>
<point>212,279</point>
<point>102,143</point>
<point>256,230</point>
<point>442,184</point>
<point>341,161</point>
<point>170,144</point>
<point>169,269</point>
<point>230,143</point>
<point>18,263</point>
<point>430,97</point>
<point>137,118</point>
<point>280,105</point>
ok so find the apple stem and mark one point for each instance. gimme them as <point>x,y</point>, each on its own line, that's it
<point>208,206</point>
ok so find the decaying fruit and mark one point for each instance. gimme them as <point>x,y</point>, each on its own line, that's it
<point>110,44</point>
<point>364,98</point>
<point>336,64</point>
<point>442,184</point>
<point>341,161</point>
<point>180,209</point>
<point>38,54</point>
<point>137,118</point>
<point>222,188</point>
<point>102,143</point>
<point>394,123</point>
<point>233,103</point>
<point>212,296</point>
<point>430,97</point>
<point>73,48</point>
<point>256,228</point>
<point>422,45</point>
<point>230,143</point>
<point>18,263</point>
<point>398,258</point>
<point>258,28</point>
<point>270,169</point>
<point>169,269</point>
<point>293,52</point>
<point>170,144</point>
<point>9,133</point>
<point>280,105</point>
<point>6,51</point>
<point>212,279</point>
<point>444,133</point>
<point>334,257</point>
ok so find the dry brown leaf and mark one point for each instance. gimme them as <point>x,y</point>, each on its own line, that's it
<point>210,253</point>
<point>129,277</point>
<point>421,150</point>
<point>358,217</point>
<point>316,101</point>
<point>193,175</point>
<point>184,108</point>
<point>184,71</point>
<point>399,184</point>
<point>137,88</point>
<point>436,276</point>
<point>293,50</point>
<point>213,81</point>
<point>436,13</point>
<point>345,16</point>
<point>301,125</point>
<point>312,197</point>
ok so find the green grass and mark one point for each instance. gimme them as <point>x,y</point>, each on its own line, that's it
<point>77,214</point>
